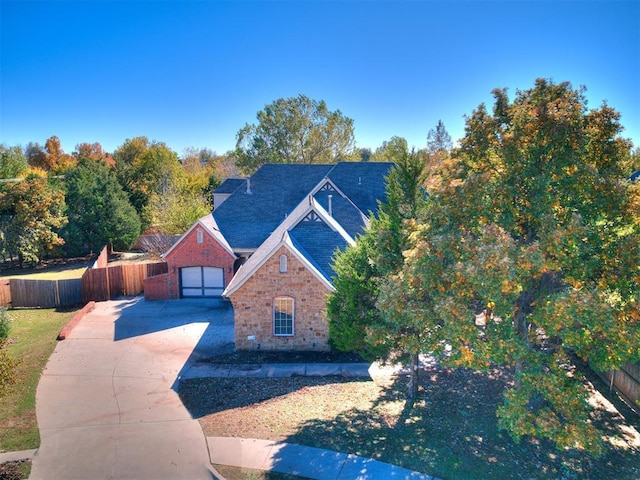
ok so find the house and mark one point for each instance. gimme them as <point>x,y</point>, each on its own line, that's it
<point>199,264</point>
<point>276,234</point>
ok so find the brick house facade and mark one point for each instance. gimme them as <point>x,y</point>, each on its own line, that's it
<point>253,305</point>
<point>274,236</point>
<point>198,247</point>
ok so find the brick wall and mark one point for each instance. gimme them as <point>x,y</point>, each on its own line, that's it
<point>155,288</point>
<point>190,253</point>
<point>253,307</point>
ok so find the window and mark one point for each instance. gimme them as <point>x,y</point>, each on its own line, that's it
<point>283,316</point>
<point>199,238</point>
<point>283,264</point>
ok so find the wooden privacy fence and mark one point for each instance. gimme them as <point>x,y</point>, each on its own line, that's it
<point>5,292</point>
<point>99,284</point>
<point>41,293</point>
<point>626,382</point>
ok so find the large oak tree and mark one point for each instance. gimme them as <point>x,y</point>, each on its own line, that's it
<point>530,252</point>
<point>295,130</point>
<point>527,257</point>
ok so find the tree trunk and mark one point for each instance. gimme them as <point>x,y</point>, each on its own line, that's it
<point>413,376</point>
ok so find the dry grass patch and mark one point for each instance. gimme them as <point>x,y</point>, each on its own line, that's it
<point>450,431</point>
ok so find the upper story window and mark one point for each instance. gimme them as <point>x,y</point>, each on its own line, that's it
<point>199,236</point>
<point>283,316</point>
<point>283,264</point>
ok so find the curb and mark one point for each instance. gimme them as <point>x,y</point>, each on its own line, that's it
<point>275,370</point>
<point>66,330</point>
<point>308,462</point>
<point>16,456</point>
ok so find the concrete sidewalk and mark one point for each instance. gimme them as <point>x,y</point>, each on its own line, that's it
<point>304,461</point>
<point>204,370</point>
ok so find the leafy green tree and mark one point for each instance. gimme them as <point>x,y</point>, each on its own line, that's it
<point>175,211</point>
<point>98,209</point>
<point>31,215</point>
<point>13,162</point>
<point>295,130</point>
<point>364,313</point>
<point>146,169</point>
<point>529,252</point>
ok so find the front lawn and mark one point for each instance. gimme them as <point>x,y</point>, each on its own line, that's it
<point>449,432</point>
<point>32,339</point>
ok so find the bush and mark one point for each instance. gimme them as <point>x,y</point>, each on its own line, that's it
<point>5,325</point>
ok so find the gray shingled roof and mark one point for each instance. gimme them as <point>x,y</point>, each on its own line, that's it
<point>230,185</point>
<point>318,242</point>
<point>345,213</point>
<point>246,220</point>
<point>363,182</point>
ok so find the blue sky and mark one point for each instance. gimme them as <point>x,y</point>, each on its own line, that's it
<point>192,73</point>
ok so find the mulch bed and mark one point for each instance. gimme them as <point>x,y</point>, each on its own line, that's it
<point>12,470</point>
<point>450,431</point>
<point>257,357</point>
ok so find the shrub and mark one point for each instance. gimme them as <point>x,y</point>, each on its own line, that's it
<point>5,325</point>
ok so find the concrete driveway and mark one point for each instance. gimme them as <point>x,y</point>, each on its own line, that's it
<point>106,405</point>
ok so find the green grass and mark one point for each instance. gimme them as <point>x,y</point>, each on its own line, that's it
<point>66,274</point>
<point>31,340</point>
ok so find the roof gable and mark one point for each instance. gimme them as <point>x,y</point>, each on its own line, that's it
<point>208,225</point>
<point>297,241</point>
<point>247,219</point>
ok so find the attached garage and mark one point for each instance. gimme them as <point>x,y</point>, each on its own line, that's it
<point>201,281</point>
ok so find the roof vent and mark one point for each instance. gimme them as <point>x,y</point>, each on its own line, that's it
<point>248,192</point>
<point>359,180</point>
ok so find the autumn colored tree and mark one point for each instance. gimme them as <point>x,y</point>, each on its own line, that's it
<point>295,130</point>
<point>94,151</point>
<point>529,254</point>
<point>31,215</point>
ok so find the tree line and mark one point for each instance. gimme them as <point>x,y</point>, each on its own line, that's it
<point>54,203</point>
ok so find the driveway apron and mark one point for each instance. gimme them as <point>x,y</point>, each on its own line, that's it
<point>105,404</point>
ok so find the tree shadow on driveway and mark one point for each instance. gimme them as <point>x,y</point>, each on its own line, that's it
<point>138,318</point>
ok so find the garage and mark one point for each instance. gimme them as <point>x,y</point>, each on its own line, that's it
<point>201,281</point>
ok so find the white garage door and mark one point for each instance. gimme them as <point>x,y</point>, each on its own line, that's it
<point>201,281</point>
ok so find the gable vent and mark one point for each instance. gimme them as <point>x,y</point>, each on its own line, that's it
<point>312,217</point>
<point>327,188</point>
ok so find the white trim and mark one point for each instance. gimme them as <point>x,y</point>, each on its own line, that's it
<point>293,317</point>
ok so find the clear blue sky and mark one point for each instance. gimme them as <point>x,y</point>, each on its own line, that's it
<point>191,74</point>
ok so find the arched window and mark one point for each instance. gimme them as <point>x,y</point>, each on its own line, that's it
<point>283,264</point>
<point>283,316</point>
